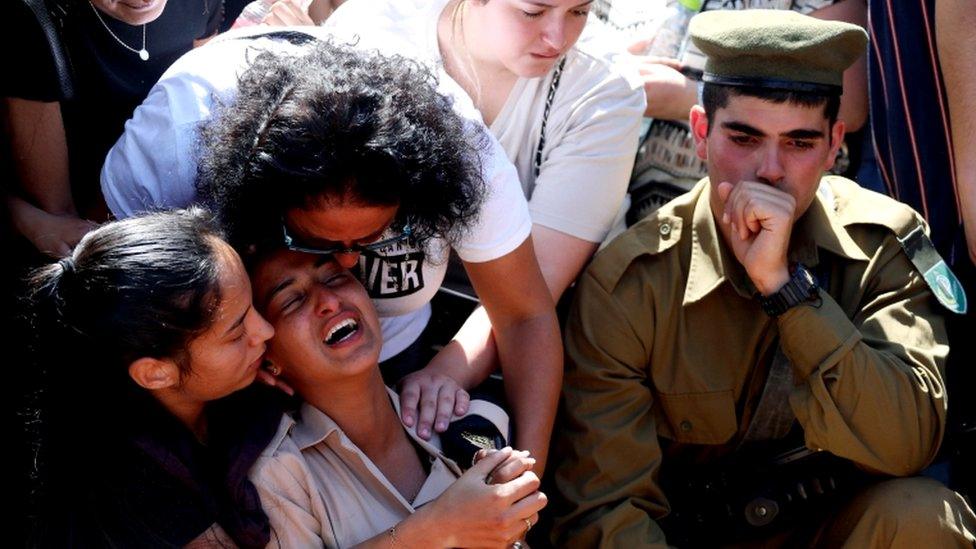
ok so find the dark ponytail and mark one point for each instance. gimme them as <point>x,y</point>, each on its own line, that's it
<point>141,287</point>
<point>144,286</point>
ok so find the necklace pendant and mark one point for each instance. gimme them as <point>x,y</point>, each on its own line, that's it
<point>143,54</point>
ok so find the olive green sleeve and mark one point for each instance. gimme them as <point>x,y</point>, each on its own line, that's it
<point>872,388</point>
<point>606,452</point>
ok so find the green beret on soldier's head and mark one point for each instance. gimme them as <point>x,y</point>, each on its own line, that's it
<point>776,49</point>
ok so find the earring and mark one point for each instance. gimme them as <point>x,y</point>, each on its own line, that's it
<point>273,369</point>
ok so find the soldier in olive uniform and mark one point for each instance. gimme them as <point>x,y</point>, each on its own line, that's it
<point>770,303</point>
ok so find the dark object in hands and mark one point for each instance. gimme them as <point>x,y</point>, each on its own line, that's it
<point>464,437</point>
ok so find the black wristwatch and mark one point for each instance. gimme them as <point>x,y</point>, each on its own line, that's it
<point>802,287</point>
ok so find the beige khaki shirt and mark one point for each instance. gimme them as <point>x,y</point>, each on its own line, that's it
<point>666,343</point>
<point>320,490</point>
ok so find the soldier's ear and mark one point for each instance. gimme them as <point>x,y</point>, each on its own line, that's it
<point>699,129</point>
<point>836,140</point>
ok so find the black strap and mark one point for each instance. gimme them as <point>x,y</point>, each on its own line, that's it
<point>59,56</point>
<point>771,83</point>
<point>294,37</point>
<point>545,114</point>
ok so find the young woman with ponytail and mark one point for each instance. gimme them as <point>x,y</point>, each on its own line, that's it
<point>142,331</point>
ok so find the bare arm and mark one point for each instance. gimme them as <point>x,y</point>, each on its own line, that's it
<point>954,23</point>
<point>518,325</point>
<point>526,333</point>
<point>40,153</point>
<point>854,102</point>
<point>670,95</point>
<point>561,257</point>
<point>42,208</point>
<point>51,234</point>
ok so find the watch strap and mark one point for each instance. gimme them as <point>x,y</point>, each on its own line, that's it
<point>802,287</point>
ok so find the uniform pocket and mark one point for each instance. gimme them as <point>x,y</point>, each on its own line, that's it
<point>700,418</point>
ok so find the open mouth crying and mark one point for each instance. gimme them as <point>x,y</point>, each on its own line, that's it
<point>341,331</point>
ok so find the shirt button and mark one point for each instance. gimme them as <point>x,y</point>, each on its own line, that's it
<point>685,426</point>
<point>664,229</point>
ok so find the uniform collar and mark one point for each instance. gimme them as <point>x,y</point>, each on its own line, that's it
<point>821,229</point>
<point>316,426</point>
<point>713,263</point>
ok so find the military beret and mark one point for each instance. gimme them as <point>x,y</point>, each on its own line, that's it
<point>776,49</point>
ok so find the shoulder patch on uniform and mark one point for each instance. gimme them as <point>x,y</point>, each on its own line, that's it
<point>941,280</point>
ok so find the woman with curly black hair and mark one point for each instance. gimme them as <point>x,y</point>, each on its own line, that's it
<point>329,150</point>
<point>333,126</point>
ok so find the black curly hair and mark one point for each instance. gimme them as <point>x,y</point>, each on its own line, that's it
<point>336,123</point>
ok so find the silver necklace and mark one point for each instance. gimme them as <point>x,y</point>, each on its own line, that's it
<point>143,53</point>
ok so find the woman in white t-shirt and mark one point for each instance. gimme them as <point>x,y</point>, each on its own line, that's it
<point>567,115</point>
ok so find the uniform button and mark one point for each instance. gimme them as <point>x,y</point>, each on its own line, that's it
<point>686,426</point>
<point>664,229</point>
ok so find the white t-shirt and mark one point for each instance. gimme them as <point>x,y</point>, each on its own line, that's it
<point>153,166</point>
<point>591,133</point>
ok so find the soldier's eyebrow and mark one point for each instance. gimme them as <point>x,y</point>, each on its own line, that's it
<point>742,127</point>
<point>804,134</point>
<point>799,133</point>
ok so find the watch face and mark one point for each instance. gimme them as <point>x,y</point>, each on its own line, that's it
<point>806,281</point>
<point>804,274</point>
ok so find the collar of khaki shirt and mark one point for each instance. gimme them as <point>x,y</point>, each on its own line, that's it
<point>316,427</point>
<point>712,262</point>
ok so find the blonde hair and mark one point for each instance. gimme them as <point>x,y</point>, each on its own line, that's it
<point>466,64</point>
